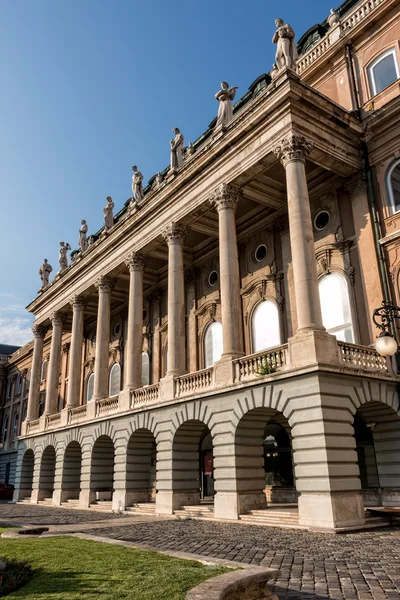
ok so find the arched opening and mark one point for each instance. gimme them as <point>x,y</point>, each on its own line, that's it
<point>114,381</point>
<point>89,387</point>
<point>47,472</point>
<point>102,470</point>
<point>212,344</point>
<point>264,460</point>
<point>335,307</point>
<point>265,326</point>
<point>26,481</point>
<point>44,370</point>
<point>71,477</point>
<point>145,369</point>
<point>393,186</point>
<point>141,468</point>
<point>192,464</point>
<point>377,441</point>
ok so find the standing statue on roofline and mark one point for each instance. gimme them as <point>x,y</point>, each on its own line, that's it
<point>176,146</point>
<point>62,256</point>
<point>108,214</point>
<point>82,236</point>
<point>225,97</point>
<point>286,51</point>
<point>137,186</point>
<point>44,272</point>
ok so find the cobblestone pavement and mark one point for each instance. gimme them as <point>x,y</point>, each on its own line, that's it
<point>314,566</point>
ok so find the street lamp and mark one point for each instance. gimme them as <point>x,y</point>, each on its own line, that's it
<point>386,345</point>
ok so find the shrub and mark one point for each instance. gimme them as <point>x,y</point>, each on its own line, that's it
<point>265,368</point>
<point>13,575</point>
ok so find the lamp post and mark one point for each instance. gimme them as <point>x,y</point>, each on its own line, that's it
<point>383,317</point>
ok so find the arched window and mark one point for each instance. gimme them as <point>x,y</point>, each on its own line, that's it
<point>19,384</point>
<point>335,307</point>
<point>9,388</point>
<point>24,410</point>
<point>393,186</point>
<point>15,426</point>
<point>5,429</point>
<point>40,409</point>
<point>265,324</point>
<point>44,370</point>
<point>212,344</point>
<point>89,387</point>
<point>145,369</point>
<point>114,381</point>
<point>28,381</point>
<point>383,71</point>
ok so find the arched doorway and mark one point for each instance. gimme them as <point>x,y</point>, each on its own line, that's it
<point>102,470</point>
<point>141,468</point>
<point>192,464</point>
<point>47,472</point>
<point>71,477</point>
<point>377,441</point>
<point>264,462</point>
<point>26,481</point>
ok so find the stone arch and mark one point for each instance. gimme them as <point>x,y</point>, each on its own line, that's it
<point>47,473</point>
<point>71,472</point>
<point>141,456</point>
<point>263,459</point>
<point>102,469</point>
<point>26,477</point>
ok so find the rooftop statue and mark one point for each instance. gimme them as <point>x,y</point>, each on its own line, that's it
<point>286,51</point>
<point>62,256</point>
<point>108,214</point>
<point>176,150</point>
<point>82,236</point>
<point>225,97</point>
<point>44,272</point>
<point>137,186</point>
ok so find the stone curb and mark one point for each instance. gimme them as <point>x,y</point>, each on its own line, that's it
<point>250,584</point>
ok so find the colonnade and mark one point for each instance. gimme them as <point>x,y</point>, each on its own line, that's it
<point>292,152</point>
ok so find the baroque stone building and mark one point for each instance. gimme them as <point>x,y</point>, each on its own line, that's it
<point>213,348</point>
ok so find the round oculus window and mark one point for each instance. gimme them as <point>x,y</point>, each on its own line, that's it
<point>213,278</point>
<point>321,220</point>
<point>260,253</point>
<point>117,328</point>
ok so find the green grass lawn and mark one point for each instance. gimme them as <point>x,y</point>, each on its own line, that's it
<point>70,568</point>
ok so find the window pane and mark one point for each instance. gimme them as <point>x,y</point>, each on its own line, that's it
<point>384,73</point>
<point>115,380</point>
<point>395,185</point>
<point>212,344</point>
<point>145,369</point>
<point>335,307</point>
<point>90,387</point>
<point>265,326</point>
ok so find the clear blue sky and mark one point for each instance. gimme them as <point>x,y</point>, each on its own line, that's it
<point>90,87</point>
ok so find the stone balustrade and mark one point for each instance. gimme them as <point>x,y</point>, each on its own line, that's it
<point>33,426</point>
<point>363,357</point>
<point>145,395</point>
<point>359,13</point>
<point>194,382</point>
<point>261,363</point>
<point>77,414</point>
<point>106,406</point>
<point>54,421</point>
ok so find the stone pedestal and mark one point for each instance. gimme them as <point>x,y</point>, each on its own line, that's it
<point>167,501</point>
<point>313,346</point>
<point>167,388</point>
<point>337,510</point>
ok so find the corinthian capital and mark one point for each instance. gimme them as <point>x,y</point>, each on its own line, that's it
<point>39,331</point>
<point>175,233</point>
<point>135,261</point>
<point>225,196</point>
<point>57,318</point>
<point>293,147</point>
<point>77,302</point>
<point>104,284</point>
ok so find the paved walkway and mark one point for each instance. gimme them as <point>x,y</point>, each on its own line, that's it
<point>314,566</point>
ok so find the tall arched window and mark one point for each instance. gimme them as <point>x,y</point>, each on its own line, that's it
<point>15,426</point>
<point>145,369</point>
<point>28,381</point>
<point>89,387</point>
<point>393,186</point>
<point>44,370</point>
<point>383,71</point>
<point>114,381</point>
<point>212,344</point>
<point>335,307</point>
<point>9,388</point>
<point>266,332</point>
<point>19,384</point>
<point>5,429</point>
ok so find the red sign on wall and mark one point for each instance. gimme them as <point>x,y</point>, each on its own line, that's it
<point>208,465</point>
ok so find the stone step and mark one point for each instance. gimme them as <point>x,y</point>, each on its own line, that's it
<point>142,508</point>
<point>198,512</point>
<point>101,505</point>
<point>46,501</point>
<point>278,513</point>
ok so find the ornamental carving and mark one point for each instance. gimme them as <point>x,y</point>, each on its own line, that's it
<point>78,302</point>
<point>294,147</point>
<point>57,318</point>
<point>355,185</point>
<point>175,233</point>
<point>135,261</point>
<point>65,347</point>
<point>104,284</point>
<point>39,331</point>
<point>224,197</point>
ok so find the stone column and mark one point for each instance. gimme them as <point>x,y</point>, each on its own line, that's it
<point>313,344</point>
<point>51,404</point>
<point>156,346</point>
<point>75,357</point>
<point>192,345</point>
<point>133,350</point>
<point>33,398</point>
<point>104,286</point>
<point>175,235</point>
<point>225,200</point>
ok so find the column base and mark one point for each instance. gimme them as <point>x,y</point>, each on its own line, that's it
<point>170,500</point>
<point>124,400</point>
<point>167,387</point>
<point>86,497</point>
<point>119,500</point>
<point>229,505</point>
<point>34,496</point>
<point>314,346</point>
<point>223,370</point>
<point>331,512</point>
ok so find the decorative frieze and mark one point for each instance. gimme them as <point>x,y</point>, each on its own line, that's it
<point>294,147</point>
<point>135,261</point>
<point>225,196</point>
<point>175,233</point>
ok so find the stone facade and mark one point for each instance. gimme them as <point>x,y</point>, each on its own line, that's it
<point>191,351</point>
